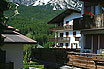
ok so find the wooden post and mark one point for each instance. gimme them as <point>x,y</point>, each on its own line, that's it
<point>11,65</point>
<point>95,65</point>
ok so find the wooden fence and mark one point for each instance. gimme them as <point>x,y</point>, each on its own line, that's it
<point>51,56</point>
<point>9,65</point>
<point>86,60</point>
<point>72,57</point>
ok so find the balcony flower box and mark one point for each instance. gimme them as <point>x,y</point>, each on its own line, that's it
<point>88,15</point>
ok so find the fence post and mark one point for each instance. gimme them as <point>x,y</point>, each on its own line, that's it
<point>11,65</point>
<point>95,64</point>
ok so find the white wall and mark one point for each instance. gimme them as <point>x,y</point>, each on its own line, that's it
<point>72,39</point>
<point>71,17</point>
<point>82,8</point>
<point>78,34</point>
<point>14,53</point>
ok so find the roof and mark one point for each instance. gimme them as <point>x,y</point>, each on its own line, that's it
<point>15,37</point>
<point>61,16</point>
<point>93,0</point>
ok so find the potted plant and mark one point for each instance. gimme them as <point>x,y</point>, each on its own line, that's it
<point>88,20</point>
<point>88,15</point>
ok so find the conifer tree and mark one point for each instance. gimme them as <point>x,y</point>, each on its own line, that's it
<point>4,5</point>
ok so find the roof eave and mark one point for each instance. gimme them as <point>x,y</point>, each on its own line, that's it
<point>62,15</point>
<point>20,42</point>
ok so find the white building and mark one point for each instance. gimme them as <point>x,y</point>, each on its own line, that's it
<point>65,37</point>
<point>13,48</point>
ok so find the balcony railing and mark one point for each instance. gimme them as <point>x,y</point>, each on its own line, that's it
<point>61,28</point>
<point>59,39</point>
<point>97,22</point>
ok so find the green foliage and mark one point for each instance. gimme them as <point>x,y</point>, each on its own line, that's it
<point>33,64</point>
<point>4,5</point>
<point>32,22</point>
<point>36,66</point>
<point>27,52</point>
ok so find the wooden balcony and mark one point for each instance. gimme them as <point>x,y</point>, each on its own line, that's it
<point>60,39</point>
<point>85,23</point>
<point>61,28</point>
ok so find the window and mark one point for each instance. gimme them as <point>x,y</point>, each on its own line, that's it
<point>78,32</point>
<point>66,44</point>
<point>97,11</point>
<point>74,33</point>
<point>77,38</point>
<point>67,23</point>
<point>61,34</point>
<point>67,33</point>
<point>61,44</point>
<point>102,9</point>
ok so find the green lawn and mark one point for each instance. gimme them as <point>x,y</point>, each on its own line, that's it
<point>34,64</point>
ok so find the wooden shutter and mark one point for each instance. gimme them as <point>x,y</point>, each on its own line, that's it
<point>101,41</point>
<point>95,43</point>
<point>88,42</point>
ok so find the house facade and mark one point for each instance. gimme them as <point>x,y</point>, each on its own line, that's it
<point>13,48</point>
<point>65,37</point>
<point>91,26</point>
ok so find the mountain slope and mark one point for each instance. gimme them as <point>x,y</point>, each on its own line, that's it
<point>57,4</point>
<point>32,22</point>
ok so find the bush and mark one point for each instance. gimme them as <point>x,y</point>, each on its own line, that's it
<point>33,64</point>
<point>36,66</point>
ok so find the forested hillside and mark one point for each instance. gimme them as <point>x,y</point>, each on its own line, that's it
<point>32,22</point>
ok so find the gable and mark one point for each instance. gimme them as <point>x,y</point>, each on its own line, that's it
<point>61,16</point>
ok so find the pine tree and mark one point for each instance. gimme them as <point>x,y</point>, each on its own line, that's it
<point>4,5</point>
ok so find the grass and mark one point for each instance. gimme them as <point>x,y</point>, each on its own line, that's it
<point>33,64</point>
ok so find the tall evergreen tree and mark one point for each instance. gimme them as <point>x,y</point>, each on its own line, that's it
<point>4,5</point>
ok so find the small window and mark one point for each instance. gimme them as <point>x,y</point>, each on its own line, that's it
<point>77,38</point>
<point>66,44</point>
<point>67,22</point>
<point>74,33</point>
<point>61,34</point>
<point>61,44</point>
<point>97,10</point>
<point>78,32</point>
<point>67,33</point>
<point>102,9</point>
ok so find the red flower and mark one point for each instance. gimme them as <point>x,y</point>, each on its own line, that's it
<point>87,13</point>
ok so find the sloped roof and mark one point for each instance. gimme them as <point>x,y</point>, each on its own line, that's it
<point>61,16</point>
<point>15,37</point>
